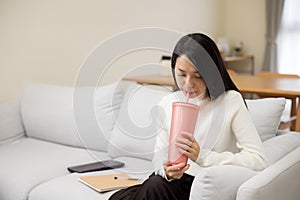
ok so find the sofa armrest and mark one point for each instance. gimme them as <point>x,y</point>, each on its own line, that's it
<point>11,127</point>
<point>219,182</point>
<point>279,181</point>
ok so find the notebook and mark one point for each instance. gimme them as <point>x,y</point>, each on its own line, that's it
<point>104,183</point>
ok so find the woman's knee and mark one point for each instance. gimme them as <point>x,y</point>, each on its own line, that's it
<point>155,181</point>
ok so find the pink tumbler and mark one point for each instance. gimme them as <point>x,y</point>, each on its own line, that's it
<point>184,118</point>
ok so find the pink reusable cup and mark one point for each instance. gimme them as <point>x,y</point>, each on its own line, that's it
<point>184,118</point>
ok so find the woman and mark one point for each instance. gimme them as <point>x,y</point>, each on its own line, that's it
<point>224,135</point>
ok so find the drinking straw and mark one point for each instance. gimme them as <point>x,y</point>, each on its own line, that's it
<point>187,97</point>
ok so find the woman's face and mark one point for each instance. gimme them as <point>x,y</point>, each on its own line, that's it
<point>188,78</point>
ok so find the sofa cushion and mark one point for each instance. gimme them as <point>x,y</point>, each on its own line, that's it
<point>28,162</point>
<point>108,101</point>
<point>11,127</point>
<point>279,146</point>
<point>219,182</point>
<point>266,114</point>
<point>135,132</point>
<point>94,123</point>
<point>279,181</point>
<point>51,113</point>
<point>76,190</point>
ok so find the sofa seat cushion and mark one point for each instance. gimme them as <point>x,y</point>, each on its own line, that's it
<point>28,162</point>
<point>75,190</point>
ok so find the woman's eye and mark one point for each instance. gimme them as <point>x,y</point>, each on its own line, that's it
<point>198,76</point>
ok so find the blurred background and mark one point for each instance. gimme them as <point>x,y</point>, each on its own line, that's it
<point>46,41</point>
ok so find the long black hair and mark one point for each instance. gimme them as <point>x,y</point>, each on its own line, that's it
<point>205,55</point>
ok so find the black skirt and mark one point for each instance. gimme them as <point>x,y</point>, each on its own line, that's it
<point>157,188</point>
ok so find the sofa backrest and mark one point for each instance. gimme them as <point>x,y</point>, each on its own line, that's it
<point>126,120</point>
<point>266,114</point>
<point>48,113</point>
<point>136,129</point>
<point>135,132</point>
<point>11,127</point>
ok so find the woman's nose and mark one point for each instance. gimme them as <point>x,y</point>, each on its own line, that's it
<point>189,83</point>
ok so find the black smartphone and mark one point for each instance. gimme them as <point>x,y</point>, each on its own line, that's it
<point>96,166</point>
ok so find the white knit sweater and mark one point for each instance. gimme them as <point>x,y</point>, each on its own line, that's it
<point>224,131</point>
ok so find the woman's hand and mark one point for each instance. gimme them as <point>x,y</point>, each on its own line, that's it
<point>188,146</point>
<point>175,171</point>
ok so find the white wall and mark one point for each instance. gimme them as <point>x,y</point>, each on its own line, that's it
<point>46,41</point>
<point>245,21</point>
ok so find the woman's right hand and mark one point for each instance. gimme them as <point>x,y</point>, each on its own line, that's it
<point>175,171</point>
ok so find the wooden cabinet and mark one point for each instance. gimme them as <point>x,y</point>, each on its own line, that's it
<point>241,62</point>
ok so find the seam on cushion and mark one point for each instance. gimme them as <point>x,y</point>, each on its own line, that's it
<point>287,152</point>
<point>205,185</point>
<point>206,188</point>
<point>13,138</point>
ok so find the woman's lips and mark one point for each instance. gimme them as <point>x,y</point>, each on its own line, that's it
<point>190,93</point>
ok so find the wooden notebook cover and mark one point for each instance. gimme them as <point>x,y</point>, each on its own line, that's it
<point>104,183</point>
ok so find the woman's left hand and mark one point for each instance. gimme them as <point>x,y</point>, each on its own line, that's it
<point>187,145</point>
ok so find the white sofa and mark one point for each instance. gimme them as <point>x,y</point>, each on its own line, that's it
<point>48,130</point>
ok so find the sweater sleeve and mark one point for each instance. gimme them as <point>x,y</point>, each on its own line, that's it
<point>251,152</point>
<point>162,141</point>
<point>160,154</point>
